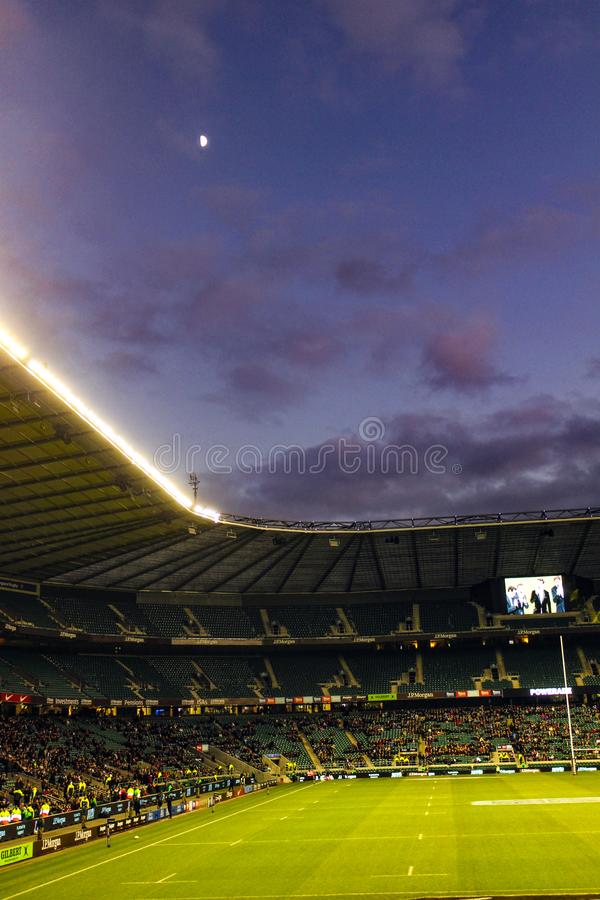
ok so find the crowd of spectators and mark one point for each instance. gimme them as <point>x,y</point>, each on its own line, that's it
<point>72,762</point>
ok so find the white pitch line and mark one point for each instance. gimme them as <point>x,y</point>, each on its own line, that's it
<point>164,840</point>
<point>166,878</point>
<point>158,882</point>
<point>420,838</point>
<point>565,892</point>
<point>412,874</point>
<point>236,842</point>
<point>282,818</point>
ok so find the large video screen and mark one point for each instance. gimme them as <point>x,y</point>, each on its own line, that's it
<point>534,596</point>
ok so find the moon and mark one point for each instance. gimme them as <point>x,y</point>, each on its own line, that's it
<point>203,141</point>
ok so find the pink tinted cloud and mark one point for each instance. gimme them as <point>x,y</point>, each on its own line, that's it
<point>15,22</point>
<point>462,358</point>
<point>427,38</point>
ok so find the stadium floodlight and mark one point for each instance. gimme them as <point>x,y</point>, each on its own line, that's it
<point>207,512</point>
<point>61,390</point>
<point>14,347</point>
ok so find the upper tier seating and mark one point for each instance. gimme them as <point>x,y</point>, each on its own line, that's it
<point>232,676</point>
<point>168,620</point>
<point>229,621</point>
<point>40,672</point>
<point>83,614</point>
<point>13,679</point>
<point>448,616</point>
<point>540,668</point>
<point>305,621</point>
<point>26,609</point>
<point>306,676</point>
<point>454,668</point>
<point>376,671</point>
<point>378,618</point>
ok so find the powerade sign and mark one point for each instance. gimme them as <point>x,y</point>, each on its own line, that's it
<point>11,855</point>
<point>550,692</point>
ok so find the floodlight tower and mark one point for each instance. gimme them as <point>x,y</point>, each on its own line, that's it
<point>193,480</point>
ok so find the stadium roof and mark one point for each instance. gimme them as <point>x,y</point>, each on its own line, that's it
<point>82,506</point>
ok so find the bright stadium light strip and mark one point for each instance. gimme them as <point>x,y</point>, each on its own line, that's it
<point>64,393</point>
<point>14,347</point>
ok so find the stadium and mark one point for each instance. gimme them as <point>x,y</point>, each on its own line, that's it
<point>299,449</point>
<point>306,688</point>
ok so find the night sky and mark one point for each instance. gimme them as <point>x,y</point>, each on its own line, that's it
<point>392,238</point>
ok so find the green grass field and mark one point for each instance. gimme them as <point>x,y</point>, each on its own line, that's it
<point>382,839</point>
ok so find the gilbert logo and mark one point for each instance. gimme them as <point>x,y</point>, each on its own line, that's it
<point>51,843</point>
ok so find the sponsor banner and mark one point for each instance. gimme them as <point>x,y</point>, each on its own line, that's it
<point>51,843</point>
<point>550,692</point>
<point>20,852</point>
<point>23,587</point>
<point>378,697</point>
<point>15,698</point>
<point>16,830</point>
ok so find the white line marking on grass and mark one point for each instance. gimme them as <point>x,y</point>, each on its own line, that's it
<point>236,842</point>
<point>166,878</point>
<point>420,836</point>
<point>537,801</point>
<point>103,862</point>
<point>410,874</point>
<point>430,893</point>
<point>282,818</point>
<point>159,882</point>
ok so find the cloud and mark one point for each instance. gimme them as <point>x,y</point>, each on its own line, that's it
<point>516,462</point>
<point>257,392</point>
<point>233,204</point>
<point>556,38</point>
<point>15,23</point>
<point>367,276</point>
<point>462,358</point>
<point>427,38</point>
<point>177,32</point>
<point>525,234</point>
<point>127,364</point>
<point>185,144</point>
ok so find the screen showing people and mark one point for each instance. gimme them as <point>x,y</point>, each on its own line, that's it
<point>534,596</point>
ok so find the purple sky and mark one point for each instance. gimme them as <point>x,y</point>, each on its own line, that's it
<point>397,217</point>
